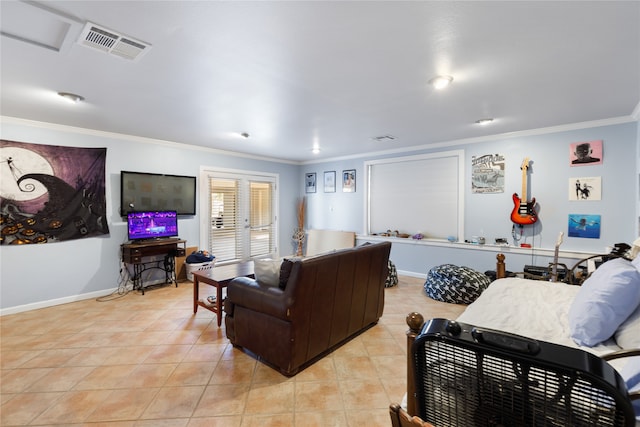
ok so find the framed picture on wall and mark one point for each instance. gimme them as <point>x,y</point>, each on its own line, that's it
<point>349,181</point>
<point>585,188</point>
<point>330,182</point>
<point>585,153</point>
<point>310,182</point>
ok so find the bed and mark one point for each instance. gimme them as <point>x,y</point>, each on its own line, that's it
<point>601,317</point>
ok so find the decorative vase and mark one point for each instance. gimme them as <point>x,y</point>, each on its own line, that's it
<point>299,236</point>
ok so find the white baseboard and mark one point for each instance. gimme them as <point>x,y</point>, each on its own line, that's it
<point>412,274</point>
<point>53,302</point>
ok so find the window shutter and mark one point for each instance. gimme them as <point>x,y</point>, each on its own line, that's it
<point>224,238</point>
<point>417,194</point>
<point>261,218</point>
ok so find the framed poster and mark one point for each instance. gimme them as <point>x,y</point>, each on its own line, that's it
<point>349,181</point>
<point>585,226</point>
<point>585,153</point>
<point>310,182</point>
<point>330,182</point>
<point>585,188</point>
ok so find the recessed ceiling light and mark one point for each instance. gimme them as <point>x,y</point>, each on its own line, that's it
<point>484,122</point>
<point>440,82</point>
<point>315,150</point>
<point>71,97</point>
<point>245,135</point>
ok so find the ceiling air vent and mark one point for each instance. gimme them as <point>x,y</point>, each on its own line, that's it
<point>383,138</point>
<point>111,42</point>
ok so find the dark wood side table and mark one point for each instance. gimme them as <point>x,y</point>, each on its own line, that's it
<point>218,277</point>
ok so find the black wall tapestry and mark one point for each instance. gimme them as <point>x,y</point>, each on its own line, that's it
<point>51,193</point>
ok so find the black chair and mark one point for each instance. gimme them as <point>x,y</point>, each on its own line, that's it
<point>471,376</point>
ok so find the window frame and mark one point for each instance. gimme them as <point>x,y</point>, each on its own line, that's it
<point>459,156</point>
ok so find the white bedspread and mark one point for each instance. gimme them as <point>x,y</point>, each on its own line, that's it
<point>532,308</point>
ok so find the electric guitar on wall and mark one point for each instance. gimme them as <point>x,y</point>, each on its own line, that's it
<point>554,266</point>
<point>523,213</point>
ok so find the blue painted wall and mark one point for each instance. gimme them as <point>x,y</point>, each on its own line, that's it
<point>61,272</point>
<point>488,214</point>
<point>38,275</point>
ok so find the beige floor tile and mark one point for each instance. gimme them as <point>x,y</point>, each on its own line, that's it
<point>223,399</point>
<point>368,418</point>
<point>223,421</point>
<point>73,407</point>
<point>126,404</point>
<point>61,379</point>
<point>24,407</point>
<point>19,380</point>
<point>106,377</point>
<point>363,394</point>
<point>167,353</point>
<point>330,418</point>
<point>149,361</point>
<point>12,359</point>
<point>318,396</point>
<point>148,375</point>
<point>265,398</point>
<point>323,370</point>
<point>354,367</point>
<point>191,373</point>
<point>276,420</point>
<point>172,402</point>
<point>205,353</point>
<point>233,371</point>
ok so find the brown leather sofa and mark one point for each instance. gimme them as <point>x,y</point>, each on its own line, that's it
<point>321,303</point>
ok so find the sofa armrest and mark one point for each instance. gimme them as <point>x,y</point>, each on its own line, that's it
<point>249,293</point>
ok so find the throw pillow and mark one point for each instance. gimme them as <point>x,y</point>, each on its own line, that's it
<point>604,301</point>
<point>267,271</point>
<point>285,271</point>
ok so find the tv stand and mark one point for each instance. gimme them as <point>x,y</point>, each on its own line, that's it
<point>135,254</point>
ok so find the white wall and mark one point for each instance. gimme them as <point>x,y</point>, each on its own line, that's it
<point>40,275</point>
<point>488,214</point>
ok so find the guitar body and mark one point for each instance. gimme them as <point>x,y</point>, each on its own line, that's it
<point>523,212</point>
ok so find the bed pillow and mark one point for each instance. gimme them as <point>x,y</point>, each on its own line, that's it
<point>604,301</point>
<point>630,372</point>
<point>267,271</point>
<point>628,334</point>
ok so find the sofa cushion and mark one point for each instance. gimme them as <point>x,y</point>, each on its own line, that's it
<point>605,300</point>
<point>454,284</point>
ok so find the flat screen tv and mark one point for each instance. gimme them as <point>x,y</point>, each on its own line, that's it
<point>147,225</point>
<point>141,191</point>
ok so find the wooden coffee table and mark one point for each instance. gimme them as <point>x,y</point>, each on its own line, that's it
<point>218,277</point>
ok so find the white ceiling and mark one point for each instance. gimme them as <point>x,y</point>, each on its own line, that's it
<point>294,74</point>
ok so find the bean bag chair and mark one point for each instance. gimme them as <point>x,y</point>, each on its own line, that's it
<point>453,284</point>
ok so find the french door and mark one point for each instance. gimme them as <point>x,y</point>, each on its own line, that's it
<point>241,220</point>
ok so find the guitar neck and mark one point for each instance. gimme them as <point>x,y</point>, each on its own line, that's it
<point>524,184</point>
<point>554,266</point>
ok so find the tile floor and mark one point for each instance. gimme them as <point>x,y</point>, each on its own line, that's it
<point>147,360</point>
